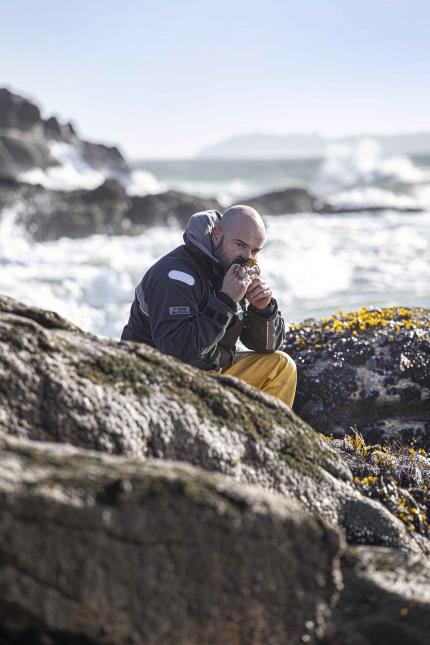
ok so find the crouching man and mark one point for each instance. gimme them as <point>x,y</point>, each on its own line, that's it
<point>199,299</point>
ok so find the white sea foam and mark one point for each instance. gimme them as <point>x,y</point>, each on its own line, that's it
<point>368,196</point>
<point>364,164</point>
<point>225,191</point>
<point>142,182</point>
<point>71,173</point>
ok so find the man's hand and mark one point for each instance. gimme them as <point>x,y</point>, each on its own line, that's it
<point>236,282</point>
<point>259,293</point>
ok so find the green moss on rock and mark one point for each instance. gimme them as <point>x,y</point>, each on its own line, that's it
<point>122,372</point>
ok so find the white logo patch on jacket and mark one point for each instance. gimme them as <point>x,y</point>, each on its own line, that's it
<point>179,311</point>
<point>181,276</point>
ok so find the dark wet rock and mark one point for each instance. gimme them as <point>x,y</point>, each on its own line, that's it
<point>169,207</point>
<point>25,137</point>
<point>386,599</point>
<point>300,200</point>
<point>290,200</point>
<point>368,370</point>
<point>47,215</point>
<point>80,213</point>
<point>60,384</point>
<point>59,131</point>
<point>18,155</point>
<point>104,158</point>
<point>17,112</point>
<point>115,550</point>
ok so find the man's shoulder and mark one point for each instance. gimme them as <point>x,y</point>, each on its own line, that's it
<point>177,262</point>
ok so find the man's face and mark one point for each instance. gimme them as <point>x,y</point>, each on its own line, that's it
<point>243,240</point>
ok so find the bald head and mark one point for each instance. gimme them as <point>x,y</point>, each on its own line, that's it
<point>240,235</point>
<point>241,216</point>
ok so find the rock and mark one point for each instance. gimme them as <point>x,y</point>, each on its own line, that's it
<point>18,155</point>
<point>102,157</point>
<point>16,112</point>
<point>386,599</point>
<point>47,215</point>
<point>80,213</point>
<point>59,131</point>
<point>368,370</point>
<point>121,551</point>
<point>396,474</point>
<point>25,139</point>
<point>299,200</point>
<point>169,207</point>
<point>281,202</point>
<point>60,384</point>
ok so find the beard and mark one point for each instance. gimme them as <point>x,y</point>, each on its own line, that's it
<point>223,259</point>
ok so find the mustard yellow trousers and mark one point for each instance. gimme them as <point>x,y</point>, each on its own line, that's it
<point>274,374</point>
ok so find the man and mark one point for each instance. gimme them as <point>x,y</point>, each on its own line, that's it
<point>197,301</point>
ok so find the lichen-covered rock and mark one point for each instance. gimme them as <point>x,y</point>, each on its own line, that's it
<point>386,599</point>
<point>60,384</point>
<point>119,551</point>
<point>369,370</point>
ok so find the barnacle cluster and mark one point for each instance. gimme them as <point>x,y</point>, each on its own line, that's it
<point>398,476</point>
<point>250,265</point>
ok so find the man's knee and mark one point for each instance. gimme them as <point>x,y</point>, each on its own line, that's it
<point>286,363</point>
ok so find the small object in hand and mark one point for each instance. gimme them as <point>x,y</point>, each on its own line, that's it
<point>249,265</point>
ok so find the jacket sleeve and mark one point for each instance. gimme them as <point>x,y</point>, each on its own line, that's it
<point>263,330</point>
<point>183,324</point>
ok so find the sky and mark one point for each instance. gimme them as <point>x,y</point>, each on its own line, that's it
<point>165,80</point>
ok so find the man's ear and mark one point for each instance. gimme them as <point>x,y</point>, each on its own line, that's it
<point>216,235</point>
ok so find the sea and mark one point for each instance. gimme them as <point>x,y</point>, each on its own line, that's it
<point>315,264</point>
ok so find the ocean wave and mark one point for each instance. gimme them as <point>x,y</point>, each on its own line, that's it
<point>143,182</point>
<point>347,166</point>
<point>371,196</point>
<point>71,173</point>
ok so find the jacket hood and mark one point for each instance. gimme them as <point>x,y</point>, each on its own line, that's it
<point>199,229</point>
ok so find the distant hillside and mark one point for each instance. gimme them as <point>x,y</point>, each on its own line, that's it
<point>272,146</point>
<point>269,146</point>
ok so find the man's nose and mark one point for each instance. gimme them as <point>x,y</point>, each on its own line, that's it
<point>246,254</point>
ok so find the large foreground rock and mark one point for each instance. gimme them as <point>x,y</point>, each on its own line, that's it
<point>60,384</point>
<point>386,599</point>
<point>156,552</point>
<point>369,370</point>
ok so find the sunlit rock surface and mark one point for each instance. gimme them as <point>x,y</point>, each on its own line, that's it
<point>85,536</point>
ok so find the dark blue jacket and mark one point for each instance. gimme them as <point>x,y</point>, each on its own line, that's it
<point>179,309</point>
